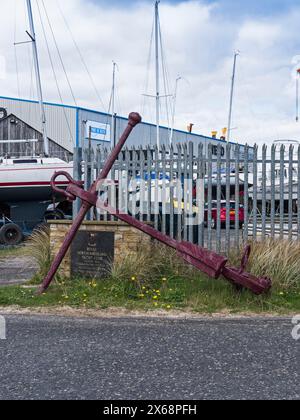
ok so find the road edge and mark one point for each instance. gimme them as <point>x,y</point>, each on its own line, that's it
<point>114,313</point>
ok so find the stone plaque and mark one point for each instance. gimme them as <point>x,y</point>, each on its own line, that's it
<point>92,254</point>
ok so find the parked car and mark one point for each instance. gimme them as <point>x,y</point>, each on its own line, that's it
<point>223,214</point>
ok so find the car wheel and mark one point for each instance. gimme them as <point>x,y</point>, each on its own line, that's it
<point>54,215</point>
<point>11,235</point>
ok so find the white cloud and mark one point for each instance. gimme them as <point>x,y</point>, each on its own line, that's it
<point>2,68</point>
<point>259,35</point>
<point>199,45</point>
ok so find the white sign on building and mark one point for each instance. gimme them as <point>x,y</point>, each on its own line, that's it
<point>98,131</point>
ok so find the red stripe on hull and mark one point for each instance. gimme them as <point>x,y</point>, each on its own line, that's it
<point>36,169</point>
<point>31,184</point>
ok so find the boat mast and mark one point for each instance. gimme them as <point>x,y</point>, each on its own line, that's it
<point>113,114</point>
<point>297,95</point>
<point>158,51</point>
<point>236,54</point>
<point>157,73</point>
<point>38,77</point>
<point>174,109</point>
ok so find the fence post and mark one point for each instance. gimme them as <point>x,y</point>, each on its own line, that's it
<point>291,173</point>
<point>264,190</point>
<point>185,192</point>
<point>77,175</point>
<point>255,182</point>
<point>298,192</point>
<point>201,195</point>
<point>209,197</point>
<point>164,190</point>
<point>179,192</point>
<point>142,186</point>
<point>172,169</point>
<point>190,192</point>
<point>219,196</point>
<point>237,196</point>
<point>228,191</point>
<point>246,196</point>
<point>273,196</point>
<point>282,169</point>
<point>156,192</point>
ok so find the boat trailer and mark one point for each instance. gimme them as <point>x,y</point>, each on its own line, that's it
<point>208,262</point>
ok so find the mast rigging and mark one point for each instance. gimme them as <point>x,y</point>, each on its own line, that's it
<point>32,36</point>
<point>236,54</point>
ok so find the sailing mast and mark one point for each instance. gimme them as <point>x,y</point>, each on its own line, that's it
<point>157,73</point>
<point>236,54</point>
<point>297,95</point>
<point>113,114</point>
<point>158,52</point>
<point>174,109</point>
<point>38,77</point>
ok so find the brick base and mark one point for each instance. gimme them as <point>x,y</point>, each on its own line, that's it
<point>127,239</point>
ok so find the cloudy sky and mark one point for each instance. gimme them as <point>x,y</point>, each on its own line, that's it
<point>199,40</point>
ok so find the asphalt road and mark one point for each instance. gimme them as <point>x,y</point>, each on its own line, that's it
<point>106,359</point>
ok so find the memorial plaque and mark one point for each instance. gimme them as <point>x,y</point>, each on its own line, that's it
<point>92,254</point>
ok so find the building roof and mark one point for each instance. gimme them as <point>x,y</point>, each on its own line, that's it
<point>78,108</point>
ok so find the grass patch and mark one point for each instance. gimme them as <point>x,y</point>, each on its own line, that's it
<point>158,279</point>
<point>38,247</point>
<point>198,295</point>
<point>277,259</point>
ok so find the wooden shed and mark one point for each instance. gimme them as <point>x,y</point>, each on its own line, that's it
<point>18,139</point>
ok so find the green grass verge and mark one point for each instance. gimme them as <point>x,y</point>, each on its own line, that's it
<point>157,279</point>
<point>197,294</point>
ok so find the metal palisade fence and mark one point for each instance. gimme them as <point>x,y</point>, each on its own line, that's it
<point>218,197</point>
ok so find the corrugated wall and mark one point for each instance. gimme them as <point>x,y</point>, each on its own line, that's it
<point>64,130</point>
<point>144,134</point>
<point>61,121</point>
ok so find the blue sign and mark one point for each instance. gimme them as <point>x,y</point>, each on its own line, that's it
<point>95,130</point>
<point>99,132</point>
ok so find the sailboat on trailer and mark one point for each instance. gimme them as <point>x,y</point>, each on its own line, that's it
<point>28,179</point>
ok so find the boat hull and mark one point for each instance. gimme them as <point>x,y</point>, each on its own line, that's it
<point>278,194</point>
<point>29,184</point>
<point>24,193</point>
